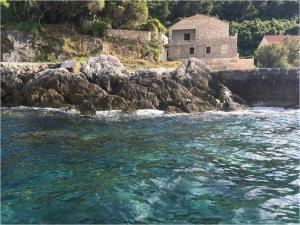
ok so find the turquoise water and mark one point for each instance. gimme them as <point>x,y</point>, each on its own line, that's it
<point>231,168</point>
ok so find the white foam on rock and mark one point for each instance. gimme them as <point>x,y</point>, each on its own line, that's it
<point>148,112</point>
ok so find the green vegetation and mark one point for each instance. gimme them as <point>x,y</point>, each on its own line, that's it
<point>153,25</point>
<point>153,49</point>
<point>250,19</point>
<point>31,27</point>
<point>96,27</point>
<point>285,54</point>
<point>4,3</point>
<point>251,32</point>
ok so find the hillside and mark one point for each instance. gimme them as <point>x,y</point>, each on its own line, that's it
<point>54,31</point>
<point>58,42</point>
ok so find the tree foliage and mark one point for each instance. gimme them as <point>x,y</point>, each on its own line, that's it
<point>250,19</point>
<point>285,54</point>
<point>251,32</point>
<point>153,25</point>
<point>4,3</point>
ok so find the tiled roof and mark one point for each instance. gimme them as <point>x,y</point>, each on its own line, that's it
<point>280,38</point>
<point>199,16</point>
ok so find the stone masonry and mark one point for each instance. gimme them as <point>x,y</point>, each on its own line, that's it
<point>201,36</point>
<point>142,36</point>
<point>206,38</point>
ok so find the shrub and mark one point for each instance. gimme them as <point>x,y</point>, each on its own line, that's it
<point>251,32</point>
<point>153,48</point>
<point>285,54</point>
<point>153,25</point>
<point>31,27</point>
<point>96,27</point>
<point>293,50</point>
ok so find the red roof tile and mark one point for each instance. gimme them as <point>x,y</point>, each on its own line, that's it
<point>280,38</point>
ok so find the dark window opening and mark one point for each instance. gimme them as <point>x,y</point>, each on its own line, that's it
<point>208,50</point>
<point>192,51</point>
<point>187,36</point>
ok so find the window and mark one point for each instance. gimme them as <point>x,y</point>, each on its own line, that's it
<point>208,49</point>
<point>192,51</point>
<point>187,36</point>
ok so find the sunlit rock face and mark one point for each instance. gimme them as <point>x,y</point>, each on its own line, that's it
<point>19,46</point>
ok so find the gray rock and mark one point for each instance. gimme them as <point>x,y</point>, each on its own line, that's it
<point>9,79</point>
<point>106,71</point>
<point>72,65</point>
<point>72,87</point>
<point>23,46</point>
<point>87,108</point>
<point>104,84</point>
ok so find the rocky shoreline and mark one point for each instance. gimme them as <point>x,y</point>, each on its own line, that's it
<point>103,83</point>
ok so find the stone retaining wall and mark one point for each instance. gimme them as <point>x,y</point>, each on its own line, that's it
<point>266,86</point>
<point>142,36</point>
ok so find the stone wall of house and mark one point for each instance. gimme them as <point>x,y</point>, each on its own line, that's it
<point>219,48</point>
<point>178,35</point>
<point>212,28</point>
<point>142,36</point>
<point>205,27</point>
<point>266,86</point>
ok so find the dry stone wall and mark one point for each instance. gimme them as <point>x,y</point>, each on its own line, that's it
<point>142,36</point>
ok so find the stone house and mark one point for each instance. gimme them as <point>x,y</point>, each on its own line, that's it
<point>207,38</point>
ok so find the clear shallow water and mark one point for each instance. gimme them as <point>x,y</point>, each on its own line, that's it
<point>239,167</point>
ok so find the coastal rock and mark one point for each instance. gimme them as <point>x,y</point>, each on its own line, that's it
<point>87,108</point>
<point>106,71</point>
<point>183,90</point>
<point>103,83</point>
<point>72,87</point>
<point>10,79</point>
<point>72,65</point>
<point>13,78</point>
<point>18,46</point>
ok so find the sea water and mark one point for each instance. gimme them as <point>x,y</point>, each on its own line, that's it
<point>150,167</point>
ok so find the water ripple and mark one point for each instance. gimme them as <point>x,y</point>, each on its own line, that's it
<point>150,167</point>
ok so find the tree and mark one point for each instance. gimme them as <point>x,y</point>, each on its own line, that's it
<point>4,3</point>
<point>293,49</point>
<point>153,25</point>
<point>135,13</point>
<point>251,32</point>
<point>272,55</point>
<point>285,54</point>
<point>159,10</point>
<point>52,11</point>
